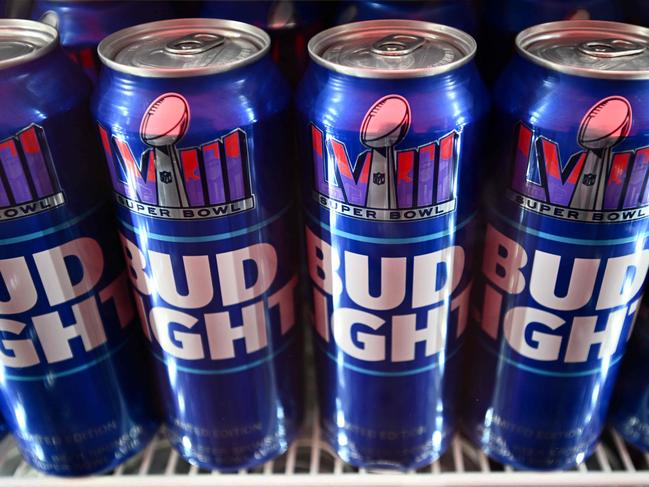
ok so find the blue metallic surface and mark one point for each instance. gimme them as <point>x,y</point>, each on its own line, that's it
<point>380,408</point>
<point>538,381</point>
<point>630,406</point>
<point>75,405</point>
<point>460,14</point>
<point>222,411</point>
<point>82,25</point>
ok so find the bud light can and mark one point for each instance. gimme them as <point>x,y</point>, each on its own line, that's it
<point>190,112</point>
<point>83,23</point>
<point>566,243</point>
<point>390,115</point>
<point>630,406</point>
<point>72,381</point>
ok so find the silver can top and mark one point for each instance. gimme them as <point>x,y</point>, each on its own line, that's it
<point>589,48</point>
<point>24,40</point>
<point>183,47</point>
<point>392,48</point>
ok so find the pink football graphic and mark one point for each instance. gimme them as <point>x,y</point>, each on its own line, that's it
<point>386,123</point>
<point>605,124</point>
<point>165,121</point>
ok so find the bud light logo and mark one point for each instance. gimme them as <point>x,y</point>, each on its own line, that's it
<point>207,181</point>
<point>553,304</point>
<point>593,185</point>
<point>385,183</point>
<point>68,304</point>
<point>28,182</point>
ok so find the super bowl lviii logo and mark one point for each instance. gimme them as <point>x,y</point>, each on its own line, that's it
<point>28,182</point>
<point>595,184</point>
<point>164,181</point>
<point>383,183</point>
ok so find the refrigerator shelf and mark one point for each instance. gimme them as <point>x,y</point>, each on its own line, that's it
<point>310,463</point>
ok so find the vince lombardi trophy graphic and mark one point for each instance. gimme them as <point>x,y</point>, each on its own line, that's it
<point>163,125</point>
<point>385,125</point>
<point>605,125</point>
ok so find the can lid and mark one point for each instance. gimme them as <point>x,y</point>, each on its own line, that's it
<point>24,40</point>
<point>589,48</point>
<point>181,48</point>
<point>392,48</point>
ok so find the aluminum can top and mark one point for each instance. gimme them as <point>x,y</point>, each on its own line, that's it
<point>22,41</point>
<point>392,49</point>
<point>181,48</point>
<point>589,48</point>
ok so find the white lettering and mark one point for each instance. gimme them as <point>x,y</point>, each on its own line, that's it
<point>545,276</point>
<point>546,346</point>
<point>196,272</point>
<point>372,347</point>
<point>502,261</point>
<point>55,337</point>
<point>623,279</point>
<point>23,351</point>
<point>392,281</point>
<point>426,290</point>
<point>55,274</point>
<point>190,344</point>
<point>18,282</point>
<point>232,275</point>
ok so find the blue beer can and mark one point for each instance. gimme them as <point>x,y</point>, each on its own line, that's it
<point>82,24</point>
<point>565,253</point>
<point>630,406</point>
<point>191,114</point>
<point>72,383</point>
<point>390,116</point>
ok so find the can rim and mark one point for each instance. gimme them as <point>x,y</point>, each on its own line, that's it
<point>549,30</point>
<point>467,41</point>
<point>33,26</point>
<point>113,44</point>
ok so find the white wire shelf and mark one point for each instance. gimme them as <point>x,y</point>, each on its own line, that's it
<point>309,462</point>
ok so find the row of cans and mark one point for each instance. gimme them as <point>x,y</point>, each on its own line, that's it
<point>82,24</point>
<point>463,268</point>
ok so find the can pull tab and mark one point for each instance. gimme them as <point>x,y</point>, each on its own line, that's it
<point>611,48</point>
<point>194,43</point>
<point>50,18</point>
<point>397,45</point>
